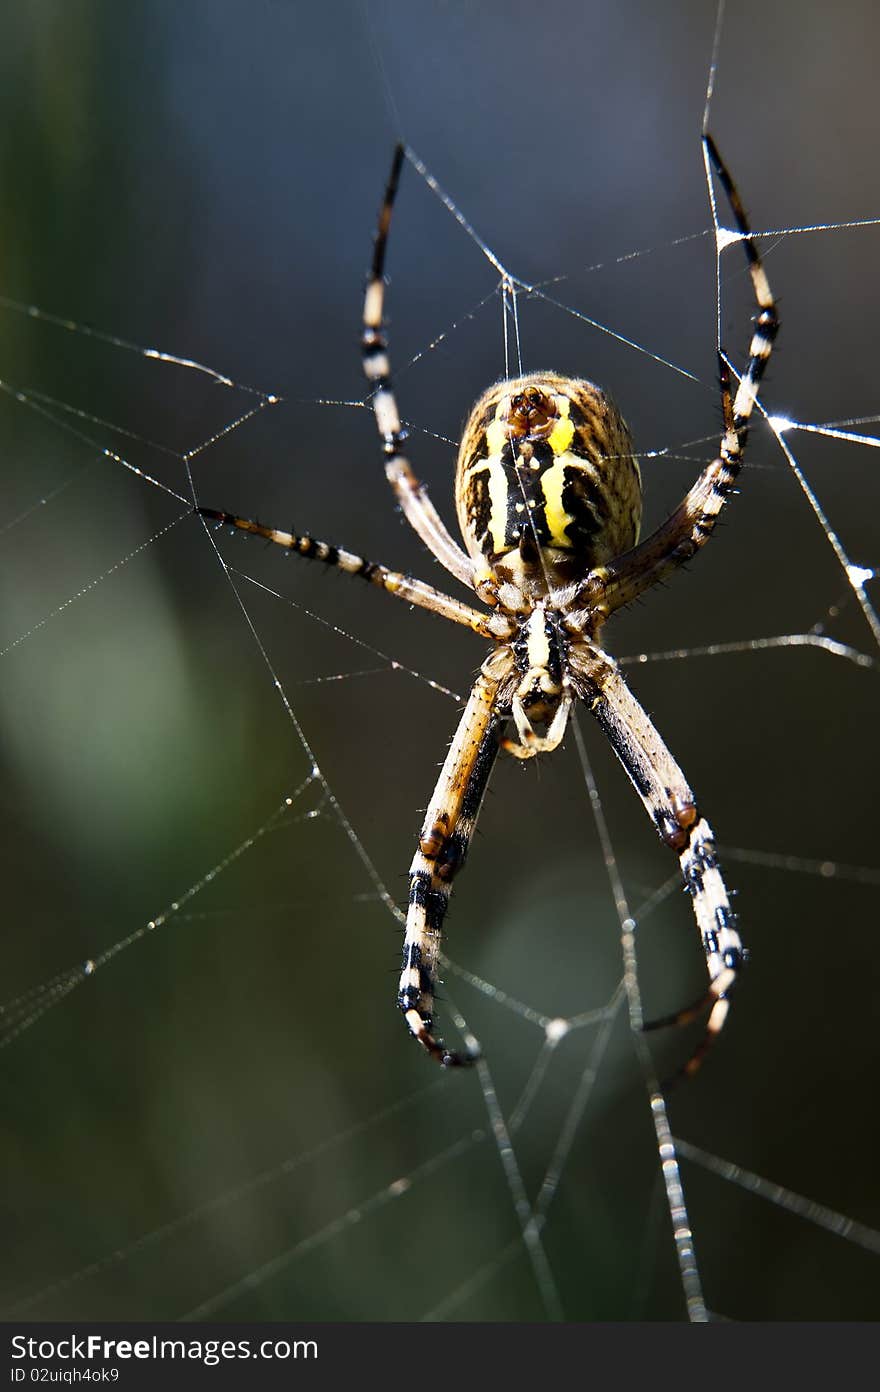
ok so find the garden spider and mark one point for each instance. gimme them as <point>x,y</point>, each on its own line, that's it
<point>548,496</point>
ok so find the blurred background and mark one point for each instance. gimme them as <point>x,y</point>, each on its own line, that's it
<point>231,1093</point>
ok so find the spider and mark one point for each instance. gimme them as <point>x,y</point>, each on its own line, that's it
<point>548,495</point>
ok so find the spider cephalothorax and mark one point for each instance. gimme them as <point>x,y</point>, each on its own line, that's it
<point>548,495</point>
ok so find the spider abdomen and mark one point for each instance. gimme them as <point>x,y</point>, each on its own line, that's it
<point>547,484</point>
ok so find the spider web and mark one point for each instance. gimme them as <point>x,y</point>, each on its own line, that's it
<point>214,758</point>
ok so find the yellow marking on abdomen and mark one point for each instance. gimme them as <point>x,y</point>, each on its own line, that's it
<point>553,481</point>
<point>497,503</point>
<point>562,433</point>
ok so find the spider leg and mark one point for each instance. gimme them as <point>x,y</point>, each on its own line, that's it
<point>443,844</point>
<point>672,808</point>
<point>691,524</point>
<point>412,495</point>
<point>404,587</point>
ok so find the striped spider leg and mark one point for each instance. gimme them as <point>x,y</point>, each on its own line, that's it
<point>449,822</point>
<point>548,496</point>
<point>412,495</point>
<point>672,808</point>
<point>689,527</point>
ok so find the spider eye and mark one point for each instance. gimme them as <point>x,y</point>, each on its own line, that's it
<point>531,413</point>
